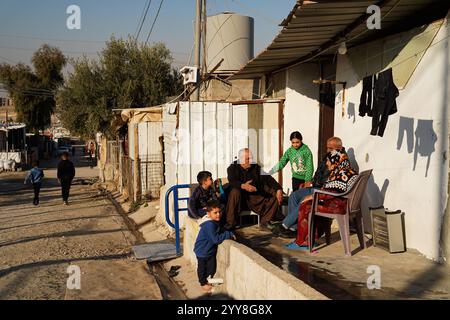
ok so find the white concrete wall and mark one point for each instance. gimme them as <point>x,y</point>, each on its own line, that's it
<point>409,175</point>
<point>301,111</point>
<point>246,274</point>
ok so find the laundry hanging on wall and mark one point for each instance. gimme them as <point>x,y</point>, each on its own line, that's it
<point>378,100</point>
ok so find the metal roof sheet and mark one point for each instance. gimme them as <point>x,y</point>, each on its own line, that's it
<point>317,27</point>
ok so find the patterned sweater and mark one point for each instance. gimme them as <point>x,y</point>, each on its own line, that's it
<point>301,163</point>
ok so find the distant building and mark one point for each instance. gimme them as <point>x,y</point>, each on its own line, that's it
<point>7,107</point>
<point>6,102</point>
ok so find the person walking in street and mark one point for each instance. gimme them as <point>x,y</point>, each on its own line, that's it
<point>92,154</point>
<point>35,176</point>
<point>66,173</point>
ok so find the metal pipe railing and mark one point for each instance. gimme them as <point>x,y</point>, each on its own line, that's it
<point>176,224</point>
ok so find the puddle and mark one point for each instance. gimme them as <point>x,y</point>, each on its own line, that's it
<point>315,273</point>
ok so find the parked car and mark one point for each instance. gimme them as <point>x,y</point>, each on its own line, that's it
<point>61,150</point>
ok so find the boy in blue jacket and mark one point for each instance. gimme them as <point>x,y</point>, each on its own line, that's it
<point>207,242</point>
<point>202,194</point>
<point>35,176</point>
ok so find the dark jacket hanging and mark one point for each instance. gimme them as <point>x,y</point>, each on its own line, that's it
<point>384,104</point>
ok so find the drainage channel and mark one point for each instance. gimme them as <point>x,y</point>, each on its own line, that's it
<point>170,290</point>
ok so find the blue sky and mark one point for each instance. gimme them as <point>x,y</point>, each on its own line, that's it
<point>26,24</point>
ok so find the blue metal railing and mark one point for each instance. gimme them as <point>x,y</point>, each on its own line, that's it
<point>176,210</point>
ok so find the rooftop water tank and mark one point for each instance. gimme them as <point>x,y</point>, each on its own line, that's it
<point>229,36</point>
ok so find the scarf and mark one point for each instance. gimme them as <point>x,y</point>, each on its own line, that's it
<point>342,176</point>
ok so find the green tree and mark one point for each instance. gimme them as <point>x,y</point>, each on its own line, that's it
<point>126,75</point>
<point>33,91</point>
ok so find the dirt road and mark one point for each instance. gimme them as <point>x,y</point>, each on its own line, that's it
<point>39,243</point>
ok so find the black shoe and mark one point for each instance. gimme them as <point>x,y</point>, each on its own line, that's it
<point>278,229</point>
<point>288,233</point>
<point>172,273</point>
<point>264,227</point>
<point>274,224</point>
<point>175,268</point>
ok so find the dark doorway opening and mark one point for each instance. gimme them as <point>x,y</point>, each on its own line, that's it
<point>326,117</point>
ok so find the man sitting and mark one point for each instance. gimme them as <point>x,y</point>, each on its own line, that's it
<point>261,193</point>
<point>288,229</point>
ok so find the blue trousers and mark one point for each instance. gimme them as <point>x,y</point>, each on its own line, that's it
<point>295,199</point>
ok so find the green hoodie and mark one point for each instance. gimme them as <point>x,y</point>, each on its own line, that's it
<point>301,163</point>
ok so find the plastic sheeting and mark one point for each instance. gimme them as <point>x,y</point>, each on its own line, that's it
<point>16,156</point>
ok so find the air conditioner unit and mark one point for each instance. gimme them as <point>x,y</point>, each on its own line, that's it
<point>190,74</point>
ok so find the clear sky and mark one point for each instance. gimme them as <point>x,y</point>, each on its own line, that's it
<point>26,24</point>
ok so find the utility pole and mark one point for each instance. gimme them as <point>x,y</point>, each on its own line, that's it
<point>197,44</point>
<point>7,136</point>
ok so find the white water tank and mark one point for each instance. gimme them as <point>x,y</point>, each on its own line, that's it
<point>229,36</point>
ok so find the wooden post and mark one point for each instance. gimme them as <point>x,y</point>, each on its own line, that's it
<point>136,171</point>
<point>280,138</point>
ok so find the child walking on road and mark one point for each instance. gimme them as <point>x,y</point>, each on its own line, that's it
<point>207,243</point>
<point>65,173</point>
<point>35,176</point>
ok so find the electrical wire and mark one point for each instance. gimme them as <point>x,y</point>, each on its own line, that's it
<point>49,39</point>
<point>63,51</point>
<point>144,16</point>
<point>154,21</point>
<point>401,44</point>
<point>9,60</point>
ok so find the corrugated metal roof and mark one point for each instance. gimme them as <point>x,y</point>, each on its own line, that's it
<point>314,28</point>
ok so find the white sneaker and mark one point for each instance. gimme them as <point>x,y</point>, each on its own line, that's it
<point>215,281</point>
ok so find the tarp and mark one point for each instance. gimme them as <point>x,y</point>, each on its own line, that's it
<point>151,114</point>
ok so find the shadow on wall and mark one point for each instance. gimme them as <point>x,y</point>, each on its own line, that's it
<point>374,195</point>
<point>351,111</point>
<point>422,141</point>
<point>352,158</point>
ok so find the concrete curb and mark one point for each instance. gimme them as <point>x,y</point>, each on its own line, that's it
<point>247,275</point>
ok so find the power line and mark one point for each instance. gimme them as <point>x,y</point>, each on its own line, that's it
<point>9,60</point>
<point>140,18</point>
<point>63,51</point>
<point>154,21</point>
<point>149,2</point>
<point>49,39</point>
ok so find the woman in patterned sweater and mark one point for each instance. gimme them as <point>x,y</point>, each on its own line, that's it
<point>301,159</point>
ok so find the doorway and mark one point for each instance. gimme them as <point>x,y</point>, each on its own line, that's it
<point>326,117</point>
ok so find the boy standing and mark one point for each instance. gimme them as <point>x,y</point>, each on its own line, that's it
<point>201,195</point>
<point>65,174</point>
<point>207,242</point>
<point>35,176</point>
